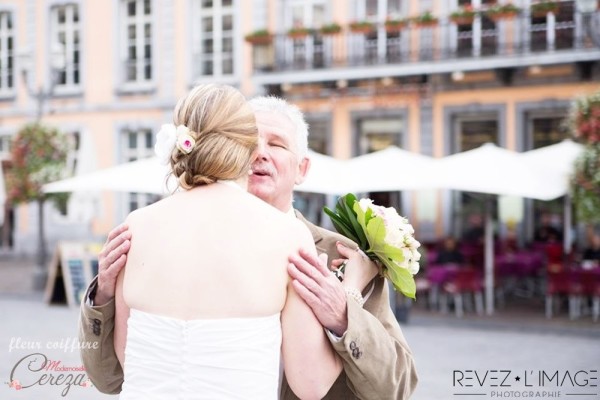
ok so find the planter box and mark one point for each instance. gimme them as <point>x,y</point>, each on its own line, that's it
<point>425,24</point>
<point>496,17</point>
<point>462,20</point>
<point>259,40</point>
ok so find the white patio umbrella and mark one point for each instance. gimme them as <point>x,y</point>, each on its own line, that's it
<point>392,169</point>
<point>2,194</point>
<point>493,170</point>
<point>327,175</point>
<point>149,176</point>
<point>558,163</point>
<point>141,176</point>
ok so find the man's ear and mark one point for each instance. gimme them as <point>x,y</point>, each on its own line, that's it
<point>303,169</point>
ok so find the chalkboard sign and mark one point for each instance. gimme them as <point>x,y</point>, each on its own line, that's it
<point>71,270</point>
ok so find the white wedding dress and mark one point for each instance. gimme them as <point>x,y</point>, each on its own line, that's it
<point>231,358</point>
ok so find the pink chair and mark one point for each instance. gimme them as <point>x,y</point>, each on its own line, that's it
<point>466,281</point>
<point>557,284</point>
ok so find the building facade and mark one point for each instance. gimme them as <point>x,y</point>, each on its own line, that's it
<point>367,74</point>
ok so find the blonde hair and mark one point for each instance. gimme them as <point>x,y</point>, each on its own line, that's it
<point>224,128</point>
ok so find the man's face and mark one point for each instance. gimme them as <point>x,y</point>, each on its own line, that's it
<point>277,167</point>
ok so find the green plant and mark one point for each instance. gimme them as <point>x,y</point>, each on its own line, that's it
<point>544,7</point>
<point>584,121</point>
<point>299,31</point>
<point>497,11</point>
<point>464,15</point>
<point>38,156</point>
<point>585,185</point>
<point>330,29</point>
<point>425,19</point>
<point>393,25</point>
<point>362,26</point>
<point>260,36</point>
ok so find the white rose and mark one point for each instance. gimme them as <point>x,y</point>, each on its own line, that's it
<point>165,143</point>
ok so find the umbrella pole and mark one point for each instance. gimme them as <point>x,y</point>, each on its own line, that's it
<point>568,220</point>
<point>489,257</point>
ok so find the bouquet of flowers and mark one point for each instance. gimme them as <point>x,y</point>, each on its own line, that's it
<point>383,235</point>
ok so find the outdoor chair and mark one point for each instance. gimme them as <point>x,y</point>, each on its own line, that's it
<point>558,284</point>
<point>584,286</point>
<point>465,282</point>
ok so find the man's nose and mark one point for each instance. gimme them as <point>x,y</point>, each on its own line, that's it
<point>261,149</point>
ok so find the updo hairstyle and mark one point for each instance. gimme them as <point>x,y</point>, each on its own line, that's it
<point>224,128</point>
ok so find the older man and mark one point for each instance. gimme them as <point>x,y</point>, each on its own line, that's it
<point>377,361</point>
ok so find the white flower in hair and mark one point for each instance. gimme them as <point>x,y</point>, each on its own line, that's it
<point>170,136</point>
<point>165,143</point>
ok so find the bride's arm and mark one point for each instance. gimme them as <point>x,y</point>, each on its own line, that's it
<point>310,363</point>
<point>121,316</point>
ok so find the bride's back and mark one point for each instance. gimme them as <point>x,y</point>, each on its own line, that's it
<point>211,252</point>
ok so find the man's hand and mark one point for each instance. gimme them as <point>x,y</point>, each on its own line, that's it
<point>320,289</point>
<point>111,260</point>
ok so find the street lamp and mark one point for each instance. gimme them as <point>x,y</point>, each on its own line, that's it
<point>43,92</point>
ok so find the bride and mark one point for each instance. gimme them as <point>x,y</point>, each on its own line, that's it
<point>204,307</point>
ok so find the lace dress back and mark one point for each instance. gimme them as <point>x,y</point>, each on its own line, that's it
<point>231,358</point>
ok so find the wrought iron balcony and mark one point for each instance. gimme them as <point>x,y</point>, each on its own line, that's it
<point>443,47</point>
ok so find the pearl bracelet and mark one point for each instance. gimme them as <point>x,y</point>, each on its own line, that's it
<point>356,295</point>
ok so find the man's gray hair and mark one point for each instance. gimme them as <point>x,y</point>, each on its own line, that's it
<point>291,111</point>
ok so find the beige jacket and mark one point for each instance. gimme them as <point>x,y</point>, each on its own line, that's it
<point>377,361</point>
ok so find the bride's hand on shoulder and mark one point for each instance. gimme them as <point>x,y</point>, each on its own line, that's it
<point>359,269</point>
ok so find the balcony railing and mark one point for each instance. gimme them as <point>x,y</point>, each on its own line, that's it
<point>483,39</point>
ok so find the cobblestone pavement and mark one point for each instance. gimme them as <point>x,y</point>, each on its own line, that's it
<point>472,357</point>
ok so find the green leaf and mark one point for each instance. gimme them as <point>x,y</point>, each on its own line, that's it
<point>376,232</point>
<point>402,280</point>
<point>341,225</point>
<point>356,227</point>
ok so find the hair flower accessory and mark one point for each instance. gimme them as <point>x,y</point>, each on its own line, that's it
<point>165,143</point>
<point>185,141</point>
<point>170,136</point>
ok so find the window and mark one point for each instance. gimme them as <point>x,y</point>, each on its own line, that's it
<point>310,51</point>
<point>553,31</point>
<point>546,128</point>
<point>138,144</point>
<point>472,131</point>
<point>7,73</point>
<point>481,36</point>
<point>318,140</point>
<point>5,146</point>
<point>66,31</point>
<point>377,134</point>
<point>63,201</point>
<point>137,29</point>
<point>214,34</point>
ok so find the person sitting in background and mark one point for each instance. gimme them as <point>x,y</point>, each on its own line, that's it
<point>592,252</point>
<point>546,232</point>
<point>449,253</point>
